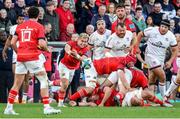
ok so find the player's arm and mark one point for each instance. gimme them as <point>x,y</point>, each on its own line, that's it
<point>108,47</point>
<point>7,45</point>
<point>13,42</point>
<point>122,77</point>
<point>174,51</point>
<point>138,41</point>
<point>43,44</point>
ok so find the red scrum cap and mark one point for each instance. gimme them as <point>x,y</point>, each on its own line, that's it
<point>131,58</point>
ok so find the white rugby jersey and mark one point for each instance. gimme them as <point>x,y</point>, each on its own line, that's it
<point>12,30</point>
<point>118,45</point>
<point>98,42</point>
<point>157,44</point>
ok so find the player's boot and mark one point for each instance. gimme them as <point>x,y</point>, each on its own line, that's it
<point>61,104</point>
<point>166,102</point>
<point>10,111</point>
<point>51,110</point>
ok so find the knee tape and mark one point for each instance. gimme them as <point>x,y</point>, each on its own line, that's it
<point>43,79</point>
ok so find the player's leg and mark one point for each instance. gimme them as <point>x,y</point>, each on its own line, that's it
<point>37,68</point>
<point>83,92</point>
<point>107,93</point>
<point>152,81</point>
<point>148,95</point>
<point>25,87</point>
<point>174,85</point>
<point>20,72</point>
<point>159,72</point>
<point>66,77</point>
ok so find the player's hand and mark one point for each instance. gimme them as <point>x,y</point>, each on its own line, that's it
<point>73,53</point>
<point>4,55</point>
<point>168,65</point>
<point>42,44</point>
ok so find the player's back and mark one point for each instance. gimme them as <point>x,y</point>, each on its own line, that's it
<point>28,34</point>
<point>109,64</point>
<point>139,79</point>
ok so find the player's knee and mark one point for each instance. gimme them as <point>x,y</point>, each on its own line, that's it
<point>107,89</point>
<point>43,79</point>
<point>64,83</point>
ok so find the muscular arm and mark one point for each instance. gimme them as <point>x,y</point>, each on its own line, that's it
<point>174,54</point>
<point>13,43</point>
<point>139,38</point>
<point>7,45</point>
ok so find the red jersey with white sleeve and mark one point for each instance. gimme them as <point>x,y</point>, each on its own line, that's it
<point>110,64</point>
<point>28,34</point>
<point>139,79</point>
<point>71,62</point>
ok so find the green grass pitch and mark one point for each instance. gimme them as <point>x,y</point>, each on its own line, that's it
<point>35,111</point>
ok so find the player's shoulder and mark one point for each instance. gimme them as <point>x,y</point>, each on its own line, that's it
<point>108,31</point>
<point>150,29</point>
<point>129,32</point>
<point>170,34</point>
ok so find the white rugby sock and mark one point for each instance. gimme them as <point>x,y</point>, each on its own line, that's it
<point>162,88</point>
<point>171,88</point>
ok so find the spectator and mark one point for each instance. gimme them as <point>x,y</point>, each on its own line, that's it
<point>89,29</point>
<point>138,20</point>
<point>85,12</point>
<point>157,15</point>
<point>5,23</point>
<point>102,2</point>
<point>168,9</point>
<point>6,80</point>
<point>25,13</point>
<point>148,7</point>
<point>19,7</point>
<point>121,14</point>
<point>177,22</point>
<point>48,30</point>
<point>176,4</point>
<point>129,11</point>
<point>72,5</point>
<point>41,3</point>
<point>55,3</point>
<point>172,25</point>
<point>68,34</point>
<point>111,14</point>
<point>1,4</point>
<point>11,13</point>
<point>101,15</point>
<point>149,21</point>
<point>41,15</point>
<point>52,17</point>
<point>65,17</point>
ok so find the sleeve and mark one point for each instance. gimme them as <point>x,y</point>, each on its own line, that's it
<point>71,43</point>
<point>109,43</point>
<point>41,33</point>
<point>173,41</point>
<point>91,40</point>
<point>148,31</point>
<point>16,31</point>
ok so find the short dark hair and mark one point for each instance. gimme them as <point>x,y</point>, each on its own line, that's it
<point>138,9</point>
<point>33,12</point>
<point>120,24</point>
<point>65,0</point>
<point>120,5</point>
